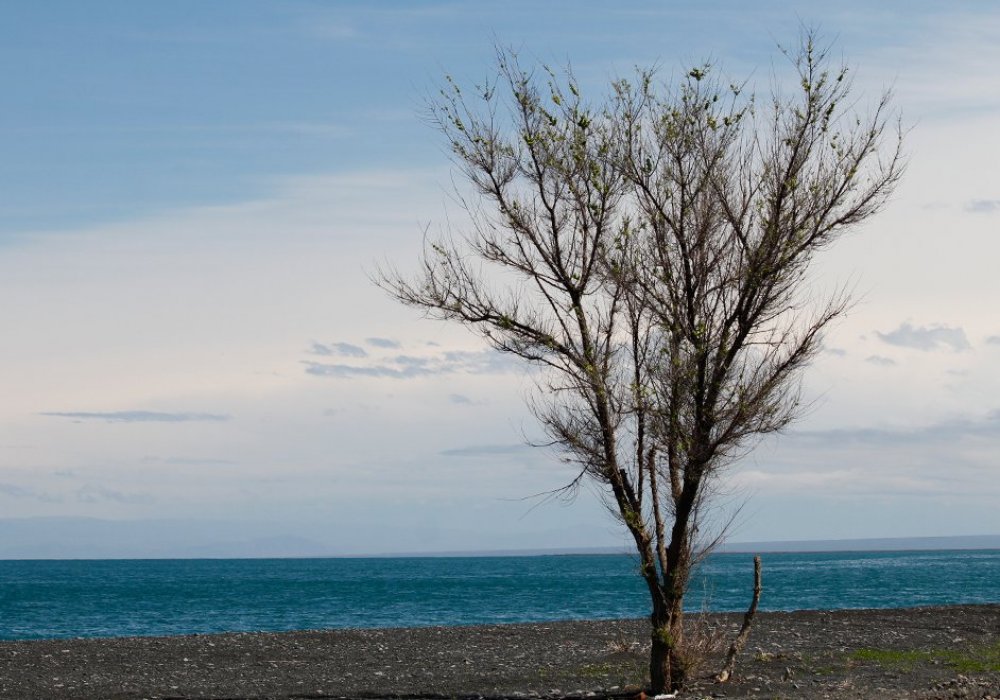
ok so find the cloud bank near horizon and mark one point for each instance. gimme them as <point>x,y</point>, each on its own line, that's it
<point>138,416</point>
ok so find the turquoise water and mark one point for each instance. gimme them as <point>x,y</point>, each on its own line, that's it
<point>44,599</point>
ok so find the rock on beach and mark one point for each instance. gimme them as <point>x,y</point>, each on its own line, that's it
<point>939,652</point>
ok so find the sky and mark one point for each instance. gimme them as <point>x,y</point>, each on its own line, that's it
<point>195,196</point>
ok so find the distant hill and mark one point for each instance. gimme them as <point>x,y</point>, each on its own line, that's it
<point>95,538</point>
<point>874,544</point>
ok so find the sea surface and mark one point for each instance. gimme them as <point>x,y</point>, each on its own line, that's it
<point>50,599</point>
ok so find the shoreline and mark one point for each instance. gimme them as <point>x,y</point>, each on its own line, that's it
<point>403,629</point>
<point>458,626</point>
<point>926,652</point>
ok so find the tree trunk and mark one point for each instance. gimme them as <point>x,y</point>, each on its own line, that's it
<point>667,669</point>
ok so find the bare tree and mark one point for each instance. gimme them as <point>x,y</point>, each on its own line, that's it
<point>650,253</point>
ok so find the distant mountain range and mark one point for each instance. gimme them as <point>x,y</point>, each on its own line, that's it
<point>872,544</point>
<point>92,538</point>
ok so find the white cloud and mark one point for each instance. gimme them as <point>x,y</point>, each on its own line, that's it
<point>844,483</point>
<point>487,450</point>
<point>19,492</point>
<point>95,493</point>
<point>982,206</point>
<point>926,337</point>
<point>413,366</point>
<point>137,416</point>
<point>953,453</point>
<point>343,349</point>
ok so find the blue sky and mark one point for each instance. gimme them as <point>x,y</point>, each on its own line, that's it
<point>194,192</point>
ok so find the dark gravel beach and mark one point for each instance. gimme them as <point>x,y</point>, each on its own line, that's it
<point>944,652</point>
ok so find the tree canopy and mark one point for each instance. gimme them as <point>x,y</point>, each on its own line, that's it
<point>650,250</point>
